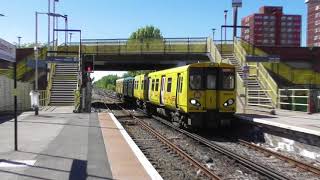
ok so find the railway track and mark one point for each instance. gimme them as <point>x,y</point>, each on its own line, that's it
<point>302,165</point>
<point>174,147</point>
<point>268,172</point>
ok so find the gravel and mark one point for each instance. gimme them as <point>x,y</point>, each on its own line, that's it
<point>221,165</point>
<point>168,164</point>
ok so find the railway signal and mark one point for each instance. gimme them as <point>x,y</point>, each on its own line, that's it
<point>89,65</point>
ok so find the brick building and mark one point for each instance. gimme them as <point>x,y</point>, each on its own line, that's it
<point>313,32</point>
<point>270,27</point>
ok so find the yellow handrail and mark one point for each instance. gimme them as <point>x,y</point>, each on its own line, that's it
<point>214,52</point>
<point>257,69</point>
<point>49,87</point>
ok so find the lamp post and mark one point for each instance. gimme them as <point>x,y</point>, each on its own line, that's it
<point>225,23</point>
<point>19,41</point>
<point>213,31</point>
<point>70,38</point>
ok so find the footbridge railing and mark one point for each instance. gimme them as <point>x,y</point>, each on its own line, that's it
<point>144,46</point>
<point>241,49</point>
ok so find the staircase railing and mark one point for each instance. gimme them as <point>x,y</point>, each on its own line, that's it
<point>51,74</point>
<point>257,70</point>
<point>214,51</point>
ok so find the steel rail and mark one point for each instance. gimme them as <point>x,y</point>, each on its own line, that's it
<point>302,165</point>
<point>174,147</point>
<point>242,160</point>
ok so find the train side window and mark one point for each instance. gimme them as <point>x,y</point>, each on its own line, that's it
<point>169,84</point>
<point>181,83</point>
<point>157,84</point>
<point>152,86</point>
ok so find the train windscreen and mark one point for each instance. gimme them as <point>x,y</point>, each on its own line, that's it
<point>228,79</point>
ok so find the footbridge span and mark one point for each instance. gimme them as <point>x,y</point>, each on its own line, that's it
<point>143,54</point>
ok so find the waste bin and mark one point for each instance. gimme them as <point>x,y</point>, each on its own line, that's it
<point>34,96</point>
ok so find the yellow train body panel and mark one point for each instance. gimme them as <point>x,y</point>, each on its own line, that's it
<point>139,87</point>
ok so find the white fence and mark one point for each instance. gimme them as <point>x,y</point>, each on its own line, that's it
<point>6,96</point>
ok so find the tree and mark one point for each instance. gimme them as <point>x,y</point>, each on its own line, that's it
<point>147,32</point>
<point>107,82</point>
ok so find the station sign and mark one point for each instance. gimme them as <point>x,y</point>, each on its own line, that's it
<point>236,3</point>
<point>270,58</point>
<point>7,51</point>
<point>32,63</point>
<point>62,59</point>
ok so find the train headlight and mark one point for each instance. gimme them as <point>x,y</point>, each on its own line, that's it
<point>229,102</point>
<point>195,102</point>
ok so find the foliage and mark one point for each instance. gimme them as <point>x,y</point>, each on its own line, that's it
<point>147,32</point>
<point>135,73</point>
<point>107,82</point>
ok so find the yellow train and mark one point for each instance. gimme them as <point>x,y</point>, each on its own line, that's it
<point>198,95</point>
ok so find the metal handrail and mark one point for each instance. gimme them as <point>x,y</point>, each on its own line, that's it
<point>291,93</point>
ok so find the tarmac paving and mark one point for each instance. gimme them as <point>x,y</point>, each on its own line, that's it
<point>55,145</point>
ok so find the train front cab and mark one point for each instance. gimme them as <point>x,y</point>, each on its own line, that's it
<point>128,88</point>
<point>119,87</point>
<point>211,95</point>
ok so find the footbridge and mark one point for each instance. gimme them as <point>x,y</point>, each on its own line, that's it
<point>143,54</point>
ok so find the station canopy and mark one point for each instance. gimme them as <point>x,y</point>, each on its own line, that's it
<point>7,51</point>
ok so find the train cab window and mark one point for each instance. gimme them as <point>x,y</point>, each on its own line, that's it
<point>169,84</point>
<point>152,86</point>
<point>211,81</point>
<point>228,79</point>
<point>142,84</point>
<point>195,81</point>
<point>157,84</point>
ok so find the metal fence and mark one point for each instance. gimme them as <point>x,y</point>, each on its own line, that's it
<point>127,46</point>
<point>294,99</point>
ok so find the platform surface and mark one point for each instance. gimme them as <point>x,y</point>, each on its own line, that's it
<point>59,144</point>
<point>291,120</point>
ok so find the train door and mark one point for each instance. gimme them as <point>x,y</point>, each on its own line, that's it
<point>179,89</point>
<point>146,88</point>
<point>162,90</point>
<point>149,89</point>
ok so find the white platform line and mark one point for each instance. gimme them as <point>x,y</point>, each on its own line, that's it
<point>153,173</point>
<point>16,163</point>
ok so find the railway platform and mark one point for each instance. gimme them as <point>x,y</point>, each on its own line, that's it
<point>59,144</point>
<point>295,121</point>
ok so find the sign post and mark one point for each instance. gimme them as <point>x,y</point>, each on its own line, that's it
<point>8,53</point>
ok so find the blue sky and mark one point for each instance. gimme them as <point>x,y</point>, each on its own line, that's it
<point>118,18</point>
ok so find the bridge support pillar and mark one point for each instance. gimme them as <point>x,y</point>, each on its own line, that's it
<point>86,92</point>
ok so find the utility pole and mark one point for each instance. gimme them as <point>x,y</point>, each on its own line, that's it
<point>49,11</point>
<point>235,4</point>
<point>225,23</point>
